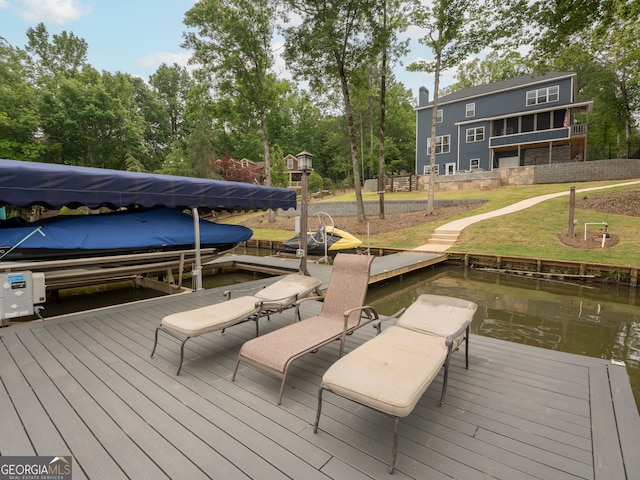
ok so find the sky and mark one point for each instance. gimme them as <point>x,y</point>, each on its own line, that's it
<point>137,36</point>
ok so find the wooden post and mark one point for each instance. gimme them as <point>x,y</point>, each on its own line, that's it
<point>572,206</point>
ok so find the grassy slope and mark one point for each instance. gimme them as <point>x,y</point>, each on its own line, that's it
<point>532,232</point>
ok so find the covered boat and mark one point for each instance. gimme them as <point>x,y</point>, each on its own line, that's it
<point>117,233</point>
<point>336,241</point>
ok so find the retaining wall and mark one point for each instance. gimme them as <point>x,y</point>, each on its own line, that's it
<point>596,170</point>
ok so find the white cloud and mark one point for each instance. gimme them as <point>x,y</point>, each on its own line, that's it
<point>52,11</point>
<point>158,58</point>
<point>4,4</point>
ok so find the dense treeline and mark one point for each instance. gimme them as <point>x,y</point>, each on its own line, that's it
<point>54,107</point>
<point>358,123</point>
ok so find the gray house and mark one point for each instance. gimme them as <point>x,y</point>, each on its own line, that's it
<point>528,120</point>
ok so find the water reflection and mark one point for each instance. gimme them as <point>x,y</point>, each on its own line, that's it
<point>595,320</point>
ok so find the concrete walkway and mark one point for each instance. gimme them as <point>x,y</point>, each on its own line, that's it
<point>446,235</point>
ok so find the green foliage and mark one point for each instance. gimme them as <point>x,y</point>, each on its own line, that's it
<point>232,44</point>
<point>176,164</point>
<point>607,58</point>
<point>279,175</point>
<point>133,164</point>
<point>496,66</point>
<point>327,184</point>
<point>63,54</point>
<point>19,119</point>
<point>315,182</point>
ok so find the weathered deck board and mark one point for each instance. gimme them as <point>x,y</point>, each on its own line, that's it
<point>85,385</point>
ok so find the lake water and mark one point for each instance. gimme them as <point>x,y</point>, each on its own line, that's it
<point>588,319</point>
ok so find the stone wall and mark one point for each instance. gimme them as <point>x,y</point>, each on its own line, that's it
<point>598,170</point>
<point>566,172</point>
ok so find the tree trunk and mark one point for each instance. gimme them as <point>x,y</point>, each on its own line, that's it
<point>434,115</point>
<point>352,141</point>
<point>267,156</point>
<point>383,109</point>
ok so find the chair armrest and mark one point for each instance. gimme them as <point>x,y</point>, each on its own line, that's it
<point>367,310</point>
<point>451,338</point>
<point>278,303</point>
<point>296,314</point>
<point>227,293</point>
<point>378,323</point>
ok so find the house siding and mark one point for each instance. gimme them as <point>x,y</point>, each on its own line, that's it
<point>499,109</point>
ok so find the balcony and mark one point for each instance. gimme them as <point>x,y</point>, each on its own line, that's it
<point>540,136</point>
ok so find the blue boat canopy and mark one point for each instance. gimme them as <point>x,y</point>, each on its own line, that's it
<point>24,184</point>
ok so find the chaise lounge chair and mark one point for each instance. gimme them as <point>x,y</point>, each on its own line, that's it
<point>391,372</point>
<point>278,296</point>
<point>342,312</point>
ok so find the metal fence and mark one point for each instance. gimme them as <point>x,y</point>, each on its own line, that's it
<point>613,150</point>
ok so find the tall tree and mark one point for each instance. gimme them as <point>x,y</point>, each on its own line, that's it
<point>455,30</point>
<point>172,84</point>
<point>91,120</point>
<point>606,55</point>
<point>496,66</point>
<point>232,45</point>
<point>332,40</point>
<point>392,21</point>
<point>550,24</point>
<point>19,118</point>
<point>63,53</point>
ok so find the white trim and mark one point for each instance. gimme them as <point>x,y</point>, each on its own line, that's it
<point>535,95</point>
<point>450,165</point>
<point>524,112</point>
<point>475,135</point>
<point>466,110</point>
<point>442,150</point>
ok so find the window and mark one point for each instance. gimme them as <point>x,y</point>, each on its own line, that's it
<point>498,128</point>
<point>470,110</point>
<point>474,164</point>
<point>439,115</point>
<point>475,134</point>
<point>289,163</point>
<point>560,118</point>
<point>543,120</point>
<point>543,95</point>
<point>442,144</point>
<point>436,168</point>
<point>450,169</point>
<point>527,123</point>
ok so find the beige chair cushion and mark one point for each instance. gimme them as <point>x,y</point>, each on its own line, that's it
<point>288,289</point>
<point>439,315</point>
<point>199,321</point>
<point>390,372</point>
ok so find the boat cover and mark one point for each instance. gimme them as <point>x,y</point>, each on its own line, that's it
<point>24,184</point>
<point>127,231</point>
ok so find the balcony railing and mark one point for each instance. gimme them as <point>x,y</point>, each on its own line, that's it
<point>579,129</point>
<point>539,136</point>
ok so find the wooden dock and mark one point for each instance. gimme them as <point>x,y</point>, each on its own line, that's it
<point>84,385</point>
<point>383,268</point>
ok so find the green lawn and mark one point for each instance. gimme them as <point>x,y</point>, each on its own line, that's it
<point>532,232</point>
